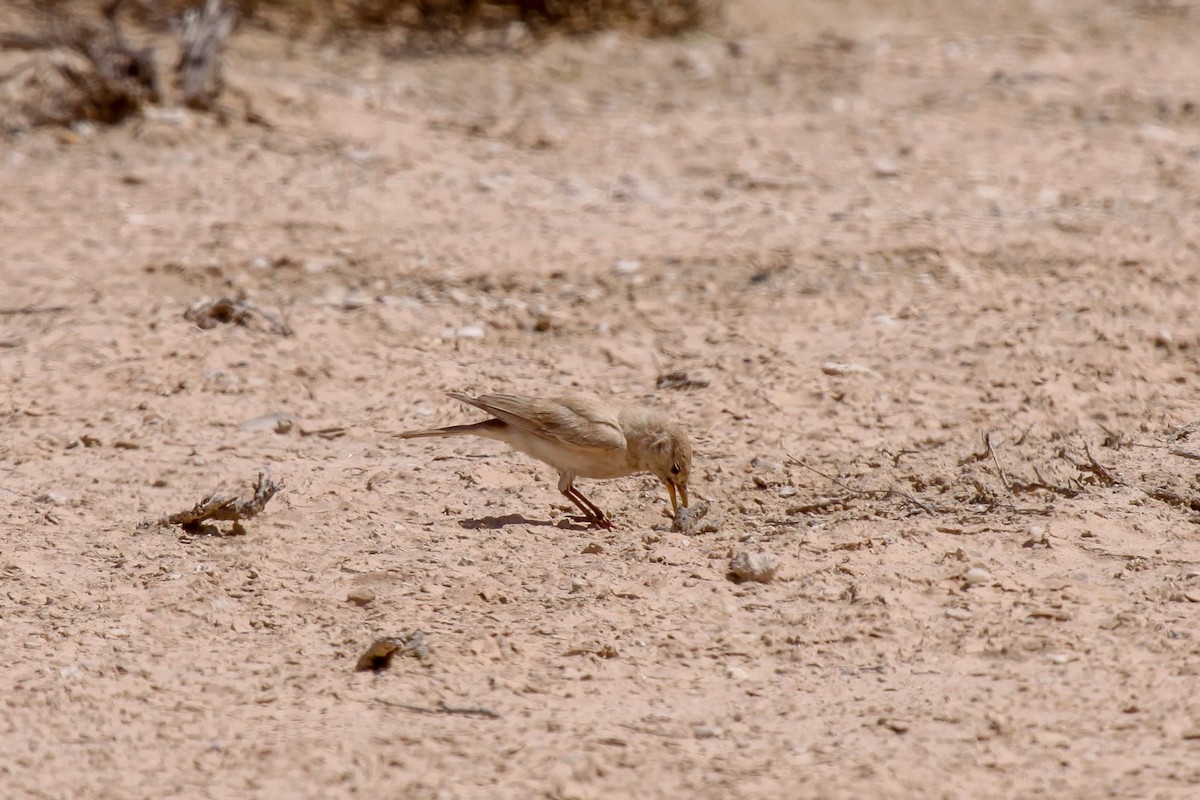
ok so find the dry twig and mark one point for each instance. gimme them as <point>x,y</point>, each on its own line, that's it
<point>379,655</point>
<point>987,443</point>
<point>198,71</point>
<point>885,494</point>
<point>443,708</point>
<point>233,310</point>
<point>31,310</point>
<point>221,507</point>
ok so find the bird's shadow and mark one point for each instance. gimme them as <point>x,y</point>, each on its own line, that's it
<point>496,523</point>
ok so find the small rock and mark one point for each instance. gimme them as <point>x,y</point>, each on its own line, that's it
<point>470,332</point>
<point>977,576</point>
<point>734,672</point>
<point>886,168</point>
<point>628,266</point>
<point>895,725</point>
<point>767,464</point>
<point>707,732</point>
<point>353,299</point>
<point>379,655</point>
<point>361,596</point>
<point>787,491</point>
<point>278,421</point>
<point>760,567</point>
<point>593,548</point>
<point>841,369</point>
<point>958,613</point>
<point>1037,537</point>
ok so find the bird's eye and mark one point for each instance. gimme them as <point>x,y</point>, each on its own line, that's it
<point>675,469</point>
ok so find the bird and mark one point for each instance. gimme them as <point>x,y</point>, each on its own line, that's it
<point>582,438</point>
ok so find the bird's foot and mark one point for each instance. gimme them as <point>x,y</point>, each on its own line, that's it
<point>602,522</point>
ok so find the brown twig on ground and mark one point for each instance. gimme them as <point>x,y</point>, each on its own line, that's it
<point>443,708</point>
<point>987,443</point>
<point>1173,498</point>
<point>678,379</point>
<point>885,494</point>
<point>224,508</point>
<point>198,71</point>
<point>1099,470</point>
<point>236,310</point>
<point>30,310</point>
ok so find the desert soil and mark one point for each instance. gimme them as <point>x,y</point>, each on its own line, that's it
<point>936,261</point>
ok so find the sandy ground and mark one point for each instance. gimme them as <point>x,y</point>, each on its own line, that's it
<point>937,262</point>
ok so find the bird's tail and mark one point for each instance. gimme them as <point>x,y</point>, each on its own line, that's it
<point>487,429</point>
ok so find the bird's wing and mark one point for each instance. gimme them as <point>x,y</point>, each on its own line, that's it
<point>570,420</point>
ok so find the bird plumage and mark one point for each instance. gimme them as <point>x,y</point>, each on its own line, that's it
<point>582,438</point>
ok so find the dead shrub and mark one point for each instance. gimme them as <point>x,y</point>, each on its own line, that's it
<point>93,74</point>
<point>457,18</point>
<point>202,33</point>
<point>101,77</point>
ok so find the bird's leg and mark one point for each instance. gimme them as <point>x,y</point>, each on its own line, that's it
<point>590,511</point>
<point>593,514</point>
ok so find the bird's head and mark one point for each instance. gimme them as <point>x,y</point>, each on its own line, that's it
<point>670,460</point>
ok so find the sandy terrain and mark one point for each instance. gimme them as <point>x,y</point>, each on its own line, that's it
<point>882,232</point>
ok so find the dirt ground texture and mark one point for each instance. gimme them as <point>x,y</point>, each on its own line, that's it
<point>937,262</point>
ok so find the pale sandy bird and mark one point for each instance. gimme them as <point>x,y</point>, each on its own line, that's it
<point>583,438</point>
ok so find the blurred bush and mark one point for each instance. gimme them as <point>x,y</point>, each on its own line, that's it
<point>461,17</point>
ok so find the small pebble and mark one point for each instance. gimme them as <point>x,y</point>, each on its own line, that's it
<point>760,567</point>
<point>470,332</point>
<point>278,421</point>
<point>361,596</point>
<point>977,576</point>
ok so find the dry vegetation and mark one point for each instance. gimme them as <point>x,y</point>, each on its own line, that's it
<point>94,74</point>
<point>460,17</point>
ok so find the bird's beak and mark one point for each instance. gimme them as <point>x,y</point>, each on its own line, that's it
<point>682,491</point>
